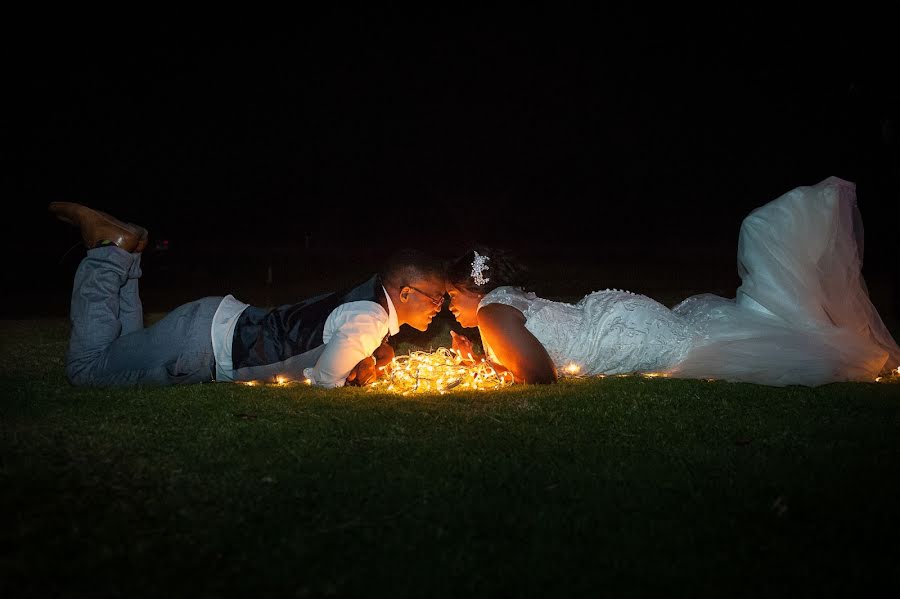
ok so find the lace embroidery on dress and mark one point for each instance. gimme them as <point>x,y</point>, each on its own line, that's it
<point>510,296</point>
<point>626,332</point>
<point>607,332</point>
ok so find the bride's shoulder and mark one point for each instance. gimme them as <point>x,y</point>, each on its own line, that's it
<point>511,296</point>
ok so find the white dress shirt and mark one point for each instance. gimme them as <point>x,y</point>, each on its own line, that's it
<point>222,332</point>
<point>352,331</point>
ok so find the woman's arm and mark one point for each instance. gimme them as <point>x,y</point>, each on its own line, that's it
<point>503,328</point>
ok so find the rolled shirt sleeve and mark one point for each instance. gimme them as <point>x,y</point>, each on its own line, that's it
<point>352,332</point>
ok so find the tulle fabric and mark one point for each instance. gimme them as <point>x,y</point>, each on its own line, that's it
<point>802,314</point>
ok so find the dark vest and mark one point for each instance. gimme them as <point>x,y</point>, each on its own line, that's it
<point>265,336</point>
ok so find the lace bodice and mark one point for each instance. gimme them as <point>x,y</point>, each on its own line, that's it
<point>607,332</point>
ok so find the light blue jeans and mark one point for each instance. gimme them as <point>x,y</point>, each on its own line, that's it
<point>109,345</point>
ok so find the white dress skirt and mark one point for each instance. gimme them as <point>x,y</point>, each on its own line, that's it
<point>802,315</point>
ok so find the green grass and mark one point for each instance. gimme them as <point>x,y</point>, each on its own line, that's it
<point>621,486</point>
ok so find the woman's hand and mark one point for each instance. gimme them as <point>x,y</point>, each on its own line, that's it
<point>462,345</point>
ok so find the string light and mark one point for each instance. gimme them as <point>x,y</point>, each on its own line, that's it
<point>572,369</point>
<point>892,376</point>
<point>439,371</point>
<point>444,370</point>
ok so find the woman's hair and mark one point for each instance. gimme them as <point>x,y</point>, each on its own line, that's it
<point>490,267</point>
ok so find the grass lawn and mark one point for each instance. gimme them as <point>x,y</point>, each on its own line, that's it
<point>620,486</point>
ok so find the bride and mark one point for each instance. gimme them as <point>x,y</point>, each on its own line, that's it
<point>802,314</point>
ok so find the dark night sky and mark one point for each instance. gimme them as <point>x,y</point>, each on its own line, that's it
<point>389,128</point>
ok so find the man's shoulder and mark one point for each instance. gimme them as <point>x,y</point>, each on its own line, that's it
<point>360,310</point>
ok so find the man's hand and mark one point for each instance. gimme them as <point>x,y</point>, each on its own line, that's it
<point>384,355</point>
<point>370,368</point>
<point>363,373</point>
<point>462,345</point>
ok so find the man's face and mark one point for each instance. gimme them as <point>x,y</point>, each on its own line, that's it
<point>420,301</point>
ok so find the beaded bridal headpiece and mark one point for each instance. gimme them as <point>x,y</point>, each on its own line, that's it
<point>479,265</point>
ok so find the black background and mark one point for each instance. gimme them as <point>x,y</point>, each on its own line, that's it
<point>596,136</point>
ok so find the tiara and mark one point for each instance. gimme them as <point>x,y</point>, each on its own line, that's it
<point>479,265</point>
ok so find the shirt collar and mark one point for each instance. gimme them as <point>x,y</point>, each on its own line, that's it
<point>393,324</point>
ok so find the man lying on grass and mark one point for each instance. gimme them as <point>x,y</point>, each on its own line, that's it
<point>330,340</point>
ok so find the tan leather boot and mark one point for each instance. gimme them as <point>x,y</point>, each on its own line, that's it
<point>98,226</point>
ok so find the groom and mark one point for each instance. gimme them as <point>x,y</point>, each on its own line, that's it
<point>329,340</point>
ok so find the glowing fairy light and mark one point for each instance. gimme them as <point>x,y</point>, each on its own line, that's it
<point>572,369</point>
<point>654,375</point>
<point>892,376</point>
<point>438,372</point>
<point>281,380</point>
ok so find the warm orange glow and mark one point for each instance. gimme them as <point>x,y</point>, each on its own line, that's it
<point>893,376</point>
<point>572,368</point>
<point>439,372</point>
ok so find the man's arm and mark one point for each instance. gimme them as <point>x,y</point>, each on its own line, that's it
<point>358,331</point>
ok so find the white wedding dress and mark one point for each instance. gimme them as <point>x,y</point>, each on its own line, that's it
<point>802,314</point>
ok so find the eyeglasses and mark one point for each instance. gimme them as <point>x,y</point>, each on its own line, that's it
<point>437,301</point>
